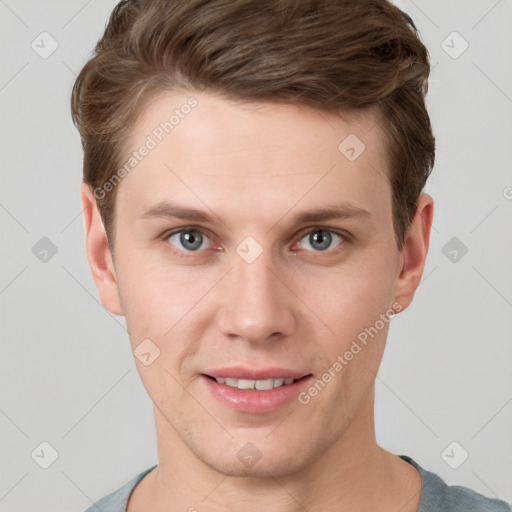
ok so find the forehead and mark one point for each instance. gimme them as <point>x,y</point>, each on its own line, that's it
<point>251,154</point>
<point>224,125</point>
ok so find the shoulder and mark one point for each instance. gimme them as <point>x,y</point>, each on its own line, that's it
<point>117,500</point>
<point>438,496</point>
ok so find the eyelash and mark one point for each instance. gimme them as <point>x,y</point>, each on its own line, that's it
<point>186,254</point>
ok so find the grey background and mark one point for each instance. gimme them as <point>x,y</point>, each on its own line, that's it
<point>67,374</point>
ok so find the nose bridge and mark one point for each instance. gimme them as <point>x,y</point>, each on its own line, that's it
<point>255,304</point>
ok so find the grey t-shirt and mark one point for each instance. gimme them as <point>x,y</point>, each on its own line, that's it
<point>436,496</point>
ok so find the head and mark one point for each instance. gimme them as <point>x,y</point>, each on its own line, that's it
<point>256,112</point>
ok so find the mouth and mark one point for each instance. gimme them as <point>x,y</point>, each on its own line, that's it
<point>268,393</point>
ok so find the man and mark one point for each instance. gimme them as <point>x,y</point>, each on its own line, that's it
<point>254,206</point>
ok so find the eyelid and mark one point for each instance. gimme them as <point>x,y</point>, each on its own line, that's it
<point>340,232</point>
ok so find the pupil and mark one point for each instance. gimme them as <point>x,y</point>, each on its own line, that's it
<point>319,235</point>
<point>188,238</point>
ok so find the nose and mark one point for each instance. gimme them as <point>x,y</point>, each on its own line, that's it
<point>256,304</point>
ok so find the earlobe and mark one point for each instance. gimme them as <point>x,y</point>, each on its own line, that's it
<point>98,253</point>
<point>414,251</point>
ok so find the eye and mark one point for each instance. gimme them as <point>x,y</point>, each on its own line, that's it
<point>320,239</point>
<point>191,240</point>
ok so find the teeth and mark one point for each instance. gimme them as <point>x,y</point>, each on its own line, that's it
<point>264,385</point>
<point>261,385</point>
<point>245,384</point>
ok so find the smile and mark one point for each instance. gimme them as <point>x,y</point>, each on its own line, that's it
<point>260,385</point>
<point>257,396</point>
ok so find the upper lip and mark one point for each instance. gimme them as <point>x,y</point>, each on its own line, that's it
<point>240,372</point>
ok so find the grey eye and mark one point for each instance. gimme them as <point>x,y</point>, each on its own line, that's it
<point>320,239</point>
<point>190,239</point>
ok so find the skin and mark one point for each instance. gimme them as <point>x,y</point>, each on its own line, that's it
<point>254,167</point>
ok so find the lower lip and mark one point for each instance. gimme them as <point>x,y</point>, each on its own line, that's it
<point>255,401</point>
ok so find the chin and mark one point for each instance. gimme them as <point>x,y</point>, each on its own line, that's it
<point>268,469</point>
<point>250,462</point>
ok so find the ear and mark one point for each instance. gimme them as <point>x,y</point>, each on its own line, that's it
<point>414,251</point>
<point>98,253</point>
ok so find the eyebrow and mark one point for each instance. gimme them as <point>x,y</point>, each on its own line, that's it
<point>170,210</point>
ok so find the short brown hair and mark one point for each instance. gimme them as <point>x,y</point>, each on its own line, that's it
<point>334,55</point>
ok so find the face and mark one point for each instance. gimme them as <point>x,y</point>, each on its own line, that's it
<point>253,286</point>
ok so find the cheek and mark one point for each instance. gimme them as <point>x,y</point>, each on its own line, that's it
<point>357,307</point>
<point>157,322</point>
<point>152,303</point>
<point>164,305</point>
<point>350,299</point>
